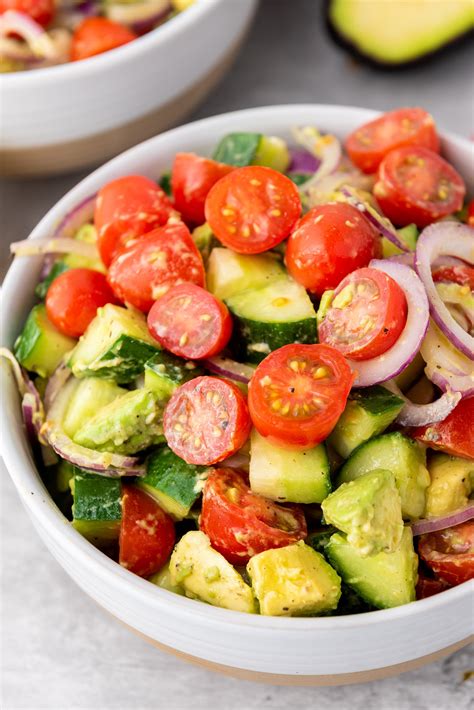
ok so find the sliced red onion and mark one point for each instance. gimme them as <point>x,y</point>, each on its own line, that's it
<point>420,414</point>
<point>437,240</point>
<point>104,463</point>
<point>33,247</point>
<point>31,404</point>
<point>407,258</point>
<point>326,148</point>
<point>38,40</point>
<point>381,223</point>
<point>75,218</point>
<point>302,161</point>
<point>398,357</point>
<point>430,525</point>
<point>447,367</point>
<point>238,460</point>
<point>226,367</point>
<point>55,384</point>
<point>140,16</point>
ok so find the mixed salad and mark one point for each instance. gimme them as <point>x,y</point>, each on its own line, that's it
<point>253,382</point>
<point>41,33</point>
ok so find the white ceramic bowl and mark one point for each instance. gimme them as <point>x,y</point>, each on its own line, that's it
<point>82,113</point>
<point>328,650</point>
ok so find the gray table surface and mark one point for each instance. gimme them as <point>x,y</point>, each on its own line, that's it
<point>59,651</point>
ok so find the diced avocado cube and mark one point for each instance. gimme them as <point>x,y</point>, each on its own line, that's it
<point>163,579</point>
<point>294,581</point>
<point>205,574</point>
<point>384,580</point>
<point>165,372</point>
<point>288,475</point>
<point>324,305</point>
<point>115,346</point>
<point>272,152</point>
<point>127,425</point>
<point>369,511</point>
<point>368,412</point>
<point>90,396</point>
<point>87,233</point>
<point>172,482</point>
<point>97,509</point>
<point>452,481</point>
<point>204,239</point>
<point>41,347</point>
<point>229,273</point>
<point>408,235</point>
<point>405,458</point>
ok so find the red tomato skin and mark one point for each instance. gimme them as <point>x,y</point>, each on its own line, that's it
<point>240,532</point>
<point>300,431</point>
<point>191,179</point>
<point>401,203</point>
<point>226,410</point>
<point>96,35</point>
<point>462,275</point>
<point>73,298</point>
<point>427,587</point>
<point>323,248</point>
<point>147,268</point>
<point>127,208</point>
<point>164,322</point>
<point>41,11</point>
<point>252,209</point>
<point>454,434</point>
<point>147,533</point>
<point>389,316</point>
<point>450,553</point>
<point>394,129</point>
<point>470,214</point>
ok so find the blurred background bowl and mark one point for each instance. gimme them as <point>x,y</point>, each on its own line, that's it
<point>68,117</point>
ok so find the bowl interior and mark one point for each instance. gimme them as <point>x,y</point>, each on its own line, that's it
<point>152,158</point>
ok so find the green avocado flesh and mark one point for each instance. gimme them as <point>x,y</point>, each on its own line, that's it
<point>393,32</point>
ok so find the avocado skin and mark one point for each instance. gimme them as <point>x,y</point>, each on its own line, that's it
<point>349,47</point>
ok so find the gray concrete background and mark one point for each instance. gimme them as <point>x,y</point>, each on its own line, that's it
<point>59,651</point>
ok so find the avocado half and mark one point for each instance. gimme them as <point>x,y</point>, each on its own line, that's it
<point>396,33</point>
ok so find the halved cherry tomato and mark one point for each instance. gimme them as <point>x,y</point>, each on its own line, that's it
<point>462,275</point>
<point>190,322</point>
<point>73,298</point>
<point>253,209</point>
<point>298,393</point>
<point>328,243</point>
<point>127,208</point>
<point>427,586</point>
<point>147,534</point>
<point>191,179</point>
<point>450,553</point>
<point>146,269</point>
<point>96,35</point>
<point>206,420</point>
<point>470,213</point>
<point>368,145</point>
<point>416,185</point>
<point>41,11</point>
<point>367,315</point>
<point>454,434</point>
<point>240,523</point>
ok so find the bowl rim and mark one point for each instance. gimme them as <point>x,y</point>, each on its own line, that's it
<point>165,32</point>
<point>27,480</point>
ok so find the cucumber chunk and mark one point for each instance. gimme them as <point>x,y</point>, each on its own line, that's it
<point>205,574</point>
<point>368,413</point>
<point>294,581</point>
<point>115,346</point>
<point>165,372</point>
<point>41,347</point>
<point>97,508</point>
<point>369,511</point>
<point>268,318</point>
<point>90,396</point>
<point>405,458</point>
<point>452,481</point>
<point>172,482</point>
<point>384,580</point>
<point>289,475</point>
<point>127,425</point>
<point>229,273</point>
